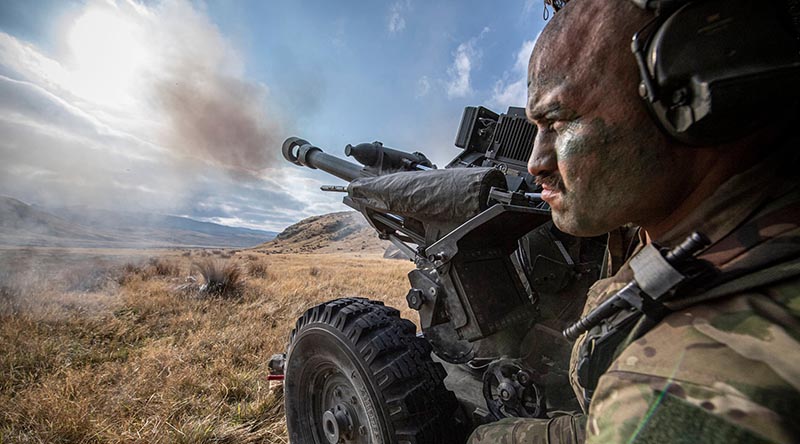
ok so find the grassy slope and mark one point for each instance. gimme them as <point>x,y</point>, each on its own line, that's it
<point>136,359</point>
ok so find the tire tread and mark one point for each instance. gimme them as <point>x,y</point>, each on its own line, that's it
<point>411,386</point>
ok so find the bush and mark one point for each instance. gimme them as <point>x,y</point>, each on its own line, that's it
<point>258,269</point>
<point>221,278</point>
<point>163,267</point>
<point>131,268</point>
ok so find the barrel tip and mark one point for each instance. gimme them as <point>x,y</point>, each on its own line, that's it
<point>290,148</point>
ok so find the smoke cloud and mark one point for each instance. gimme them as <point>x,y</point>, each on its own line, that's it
<point>212,112</point>
<point>219,119</point>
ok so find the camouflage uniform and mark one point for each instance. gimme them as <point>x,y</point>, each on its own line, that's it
<point>724,366</point>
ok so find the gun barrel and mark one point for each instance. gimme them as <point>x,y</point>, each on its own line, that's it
<point>301,152</point>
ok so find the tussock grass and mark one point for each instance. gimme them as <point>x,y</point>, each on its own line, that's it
<point>220,278</point>
<point>258,268</point>
<point>163,267</point>
<point>139,363</point>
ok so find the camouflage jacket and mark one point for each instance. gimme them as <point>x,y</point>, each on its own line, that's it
<point>724,366</point>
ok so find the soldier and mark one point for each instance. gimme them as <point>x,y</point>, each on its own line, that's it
<point>630,138</point>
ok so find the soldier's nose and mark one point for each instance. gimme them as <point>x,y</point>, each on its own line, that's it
<point>543,158</point>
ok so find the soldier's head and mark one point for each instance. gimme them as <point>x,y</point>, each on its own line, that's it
<point>603,158</point>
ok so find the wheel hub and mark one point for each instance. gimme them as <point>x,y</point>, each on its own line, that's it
<point>510,390</point>
<point>337,423</point>
<point>507,391</point>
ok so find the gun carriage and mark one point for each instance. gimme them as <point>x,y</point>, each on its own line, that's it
<point>495,283</point>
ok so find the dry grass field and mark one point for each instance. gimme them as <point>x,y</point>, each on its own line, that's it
<point>132,350</point>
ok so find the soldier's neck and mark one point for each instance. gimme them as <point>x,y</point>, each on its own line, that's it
<point>709,169</point>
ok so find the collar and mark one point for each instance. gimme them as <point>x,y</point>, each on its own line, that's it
<point>733,202</point>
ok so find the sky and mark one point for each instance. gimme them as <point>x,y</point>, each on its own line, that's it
<point>180,107</point>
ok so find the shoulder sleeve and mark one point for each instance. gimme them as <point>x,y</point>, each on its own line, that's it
<point>640,409</point>
<point>715,373</point>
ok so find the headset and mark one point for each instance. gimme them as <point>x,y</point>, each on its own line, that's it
<point>715,70</point>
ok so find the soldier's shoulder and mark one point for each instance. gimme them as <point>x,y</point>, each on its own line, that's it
<point>733,360</point>
<point>754,326</point>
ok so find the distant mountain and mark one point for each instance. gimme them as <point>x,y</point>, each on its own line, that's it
<point>346,231</point>
<point>23,224</point>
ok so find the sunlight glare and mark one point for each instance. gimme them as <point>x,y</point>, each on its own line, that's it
<point>109,57</point>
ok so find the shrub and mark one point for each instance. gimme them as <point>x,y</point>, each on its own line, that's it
<point>258,269</point>
<point>221,278</point>
<point>164,267</point>
<point>131,268</point>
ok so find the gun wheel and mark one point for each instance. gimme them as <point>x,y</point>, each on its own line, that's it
<point>357,373</point>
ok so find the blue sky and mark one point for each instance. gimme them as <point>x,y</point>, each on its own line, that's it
<point>180,107</point>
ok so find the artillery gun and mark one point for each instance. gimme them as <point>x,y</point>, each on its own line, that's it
<point>495,283</point>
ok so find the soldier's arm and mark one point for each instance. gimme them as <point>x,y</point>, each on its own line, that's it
<point>635,408</point>
<point>721,372</point>
<point>565,429</point>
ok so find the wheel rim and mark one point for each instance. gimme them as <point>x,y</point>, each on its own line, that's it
<point>336,409</point>
<point>339,410</point>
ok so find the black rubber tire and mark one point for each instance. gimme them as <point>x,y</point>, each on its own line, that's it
<point>375,356</point>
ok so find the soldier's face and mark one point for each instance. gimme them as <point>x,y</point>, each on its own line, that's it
<point>601,160</point>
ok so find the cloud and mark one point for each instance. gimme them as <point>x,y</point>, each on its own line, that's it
<point>529,6</point>
<point>423,87</point>
<point>25,101</point>
<point>397,21</point>
<point>465,58</point>
<point>156,115</point>
<point>512,88</point>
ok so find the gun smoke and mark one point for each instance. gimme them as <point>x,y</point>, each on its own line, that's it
<point>213,113</point>
<point>218,118</point>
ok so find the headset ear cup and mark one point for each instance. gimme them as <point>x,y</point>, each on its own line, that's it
<point>720,69</point>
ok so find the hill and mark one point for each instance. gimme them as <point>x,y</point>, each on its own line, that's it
<point>29,225</point>
<point>22,224</point>
<point>345,231</point>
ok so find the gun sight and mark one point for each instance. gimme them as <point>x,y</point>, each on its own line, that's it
<point>375,155</point>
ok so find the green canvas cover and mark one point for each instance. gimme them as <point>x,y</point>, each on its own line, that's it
<point>453,195</point>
